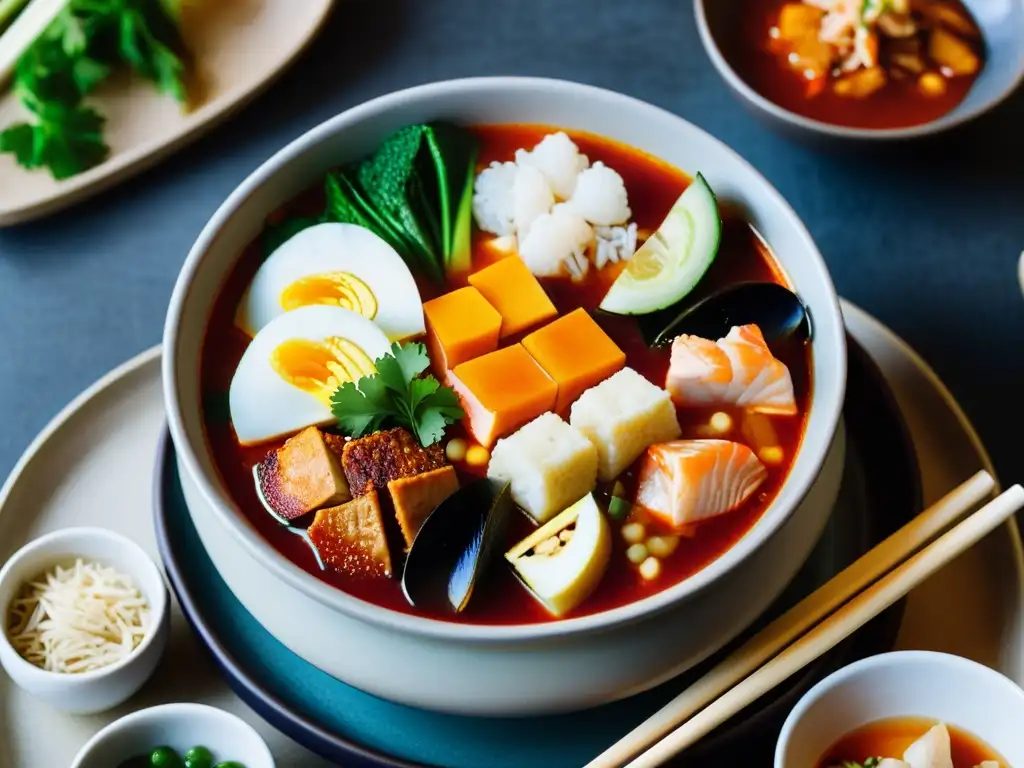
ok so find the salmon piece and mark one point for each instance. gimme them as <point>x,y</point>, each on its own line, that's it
<point>416,497</point>
<point>351,538</point>
<point>738,370</point>
<point>685,481</point>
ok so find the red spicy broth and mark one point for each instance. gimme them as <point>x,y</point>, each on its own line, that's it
<point>892,736</point>
<point>500,599</point>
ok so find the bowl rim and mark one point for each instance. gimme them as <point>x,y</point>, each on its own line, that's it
<point>986,676</point>
<point>282,568</point>
<point>955,117</point>
<point>67,537</point>
<point>173,709</point>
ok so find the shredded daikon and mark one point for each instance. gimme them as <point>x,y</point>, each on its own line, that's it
<point>78,619</point>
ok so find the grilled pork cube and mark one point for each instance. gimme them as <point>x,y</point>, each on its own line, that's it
<point>351,538</point>
<point>415,497</point>
<point>372,462</point>
<point>302,475</point>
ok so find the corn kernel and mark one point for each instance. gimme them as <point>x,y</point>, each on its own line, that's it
<point>478,456</point>
<point>771,454</point>
<point>633,533</point>
<point>932,84</point>
<point>650,568</point>
<point>662,546</point>
<point>455,450</point>
<point>721,423</point>
<point>636,554</point>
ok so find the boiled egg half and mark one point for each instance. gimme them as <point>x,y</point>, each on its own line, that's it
<point>289,371</point>
<point>335,265</point>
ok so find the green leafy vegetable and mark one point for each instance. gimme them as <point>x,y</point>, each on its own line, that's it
<point>77,52</point>
<point>416,193</point>
<point>397,395</point>
<point>871,762</point>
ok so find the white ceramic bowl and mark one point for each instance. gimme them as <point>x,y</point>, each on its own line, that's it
<point>905,684</point>
<point>180,727</point>
<point>1002,26</point>
<point>506,669</point>
<point>104,688</point>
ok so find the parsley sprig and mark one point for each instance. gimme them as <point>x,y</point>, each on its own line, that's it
<point>397,395</point>
<point>77,52</point>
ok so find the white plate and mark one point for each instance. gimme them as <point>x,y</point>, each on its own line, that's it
<point>94,465</point>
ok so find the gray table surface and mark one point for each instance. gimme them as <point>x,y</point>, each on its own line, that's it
<point>925,238</point>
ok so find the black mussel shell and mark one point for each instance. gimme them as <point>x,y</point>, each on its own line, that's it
<point>456,544</point>
<point>291,526</point>
<point>776,310</point>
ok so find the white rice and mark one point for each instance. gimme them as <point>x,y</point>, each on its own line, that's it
<point>493,206</point>
<point>600,196</point>
<point>531,197</point>
<point>553,239</point>
<point>613,244</point>
<point>559,159</point>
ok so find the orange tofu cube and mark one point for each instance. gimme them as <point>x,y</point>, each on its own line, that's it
<point>461,325</point>
<point>501,392</point>
<point>510,287</point>
<point>576,353</point>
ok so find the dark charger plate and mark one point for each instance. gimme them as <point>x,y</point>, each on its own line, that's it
<point>880,492</point>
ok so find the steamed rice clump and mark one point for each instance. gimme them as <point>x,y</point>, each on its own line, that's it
<point>561,213</point>
<point>600,196</point>
<point>559,159</point>
<point>553,238</point>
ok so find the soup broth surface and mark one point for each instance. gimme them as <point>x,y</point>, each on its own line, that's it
<point>653,187</point>
<point>892,736</point>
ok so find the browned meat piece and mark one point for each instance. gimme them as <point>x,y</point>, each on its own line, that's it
<point>373,461</point>
<point>351,538</point>
<point>301,476</point>
<point>416,497</point>
<point>336,443</point>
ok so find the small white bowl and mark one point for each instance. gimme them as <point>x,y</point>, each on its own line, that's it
<point>924,684</point>
<point>180,727</point>
<point>105,688</point>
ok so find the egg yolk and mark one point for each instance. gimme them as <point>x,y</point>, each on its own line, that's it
<point>338,289</point>
<point>320,367</point>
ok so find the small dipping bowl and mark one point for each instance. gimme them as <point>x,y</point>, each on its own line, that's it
<point>918,684</point>
<point>1002,28</point>
<point>180,727</point>
<point>101,689</point>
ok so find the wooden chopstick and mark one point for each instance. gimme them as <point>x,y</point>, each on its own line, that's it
<point>837,627</point>
<point>799,619</point>
<point>26,28</point>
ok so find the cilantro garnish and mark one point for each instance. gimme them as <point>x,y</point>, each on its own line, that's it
<point>397,395</point>
<point>871,762</point>
<point>76,53</point>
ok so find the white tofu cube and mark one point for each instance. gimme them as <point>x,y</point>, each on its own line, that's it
<point>550,464</point>
<point>622,416</point>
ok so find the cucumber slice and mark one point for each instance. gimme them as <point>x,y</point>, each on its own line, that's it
<point>675,258</point>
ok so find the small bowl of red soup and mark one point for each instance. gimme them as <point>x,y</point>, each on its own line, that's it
<point>506,396</point>
<point>908,709</point>
<point>866,69</point>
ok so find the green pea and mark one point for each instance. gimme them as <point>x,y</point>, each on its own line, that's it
<point>164,757</point>
<point>199,757</point>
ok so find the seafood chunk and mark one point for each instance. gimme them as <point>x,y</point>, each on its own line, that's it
<point>686,481</point>
<point>737,370</point>
<point>549,463</point>
<point>373,461</point>
<point>417,496</point>
<point>933,750</point>
<point>351,538</point>
<point>302,475</point>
